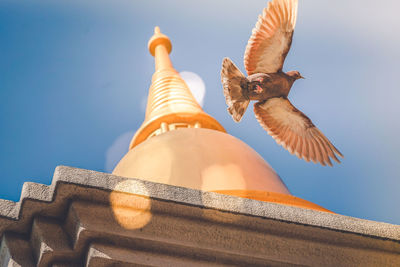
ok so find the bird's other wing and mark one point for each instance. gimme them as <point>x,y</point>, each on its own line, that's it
<point>295,131</point>
<point>271,38</point>
<point>232,81</point>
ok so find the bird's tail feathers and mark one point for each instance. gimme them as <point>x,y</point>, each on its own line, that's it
<point>234,82</point>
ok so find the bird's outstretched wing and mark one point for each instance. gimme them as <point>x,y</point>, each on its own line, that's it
<point>271,38</point>
<point>295,131</point>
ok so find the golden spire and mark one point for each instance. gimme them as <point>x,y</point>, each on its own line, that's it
<point>170,103</point>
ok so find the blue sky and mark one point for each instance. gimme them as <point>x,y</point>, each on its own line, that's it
<point>73,75</point>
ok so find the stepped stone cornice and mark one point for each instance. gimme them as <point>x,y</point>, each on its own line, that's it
<point>76,220</point>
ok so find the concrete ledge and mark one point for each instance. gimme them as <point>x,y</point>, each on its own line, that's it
<point>11,211</point>
<point>63,223</point>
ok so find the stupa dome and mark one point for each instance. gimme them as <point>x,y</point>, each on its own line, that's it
<point>202,159</point>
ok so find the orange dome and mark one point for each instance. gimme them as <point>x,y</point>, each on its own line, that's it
<point>207,160</point>
<point>201,159</point>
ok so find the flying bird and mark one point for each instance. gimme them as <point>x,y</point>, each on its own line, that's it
<point>265,54</point>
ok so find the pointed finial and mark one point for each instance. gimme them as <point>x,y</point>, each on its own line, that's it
<point>159,39</point>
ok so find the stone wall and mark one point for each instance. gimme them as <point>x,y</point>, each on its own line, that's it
<point>86,218</point>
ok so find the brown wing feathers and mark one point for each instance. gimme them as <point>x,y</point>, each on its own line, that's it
<point>295,131</point>
<point>271,38</point>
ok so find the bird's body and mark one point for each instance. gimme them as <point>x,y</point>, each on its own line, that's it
<point>270,86</point>
<point>262,86</point>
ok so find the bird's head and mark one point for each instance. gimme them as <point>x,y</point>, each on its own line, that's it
<point>295,74</point>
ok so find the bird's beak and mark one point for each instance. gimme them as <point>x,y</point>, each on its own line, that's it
<point>301,77</point>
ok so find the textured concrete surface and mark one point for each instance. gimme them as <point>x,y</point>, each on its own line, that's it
<point>97,219</point>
